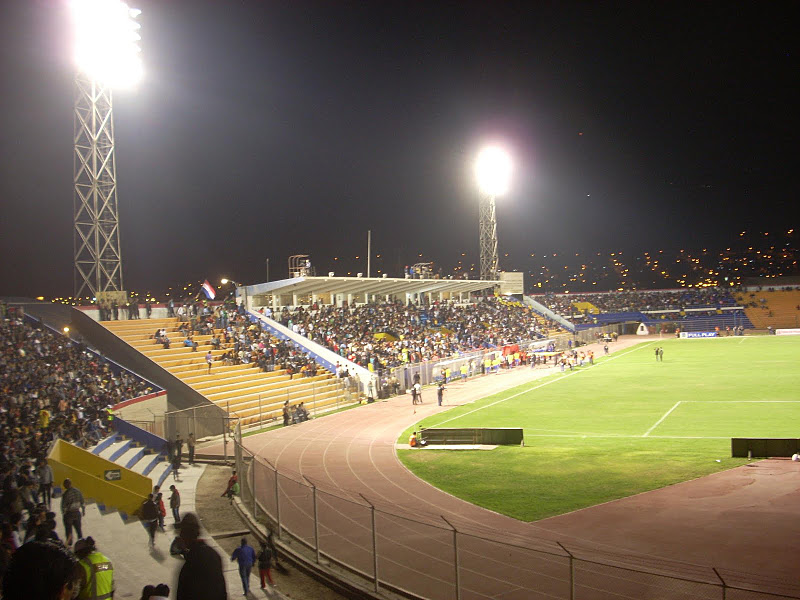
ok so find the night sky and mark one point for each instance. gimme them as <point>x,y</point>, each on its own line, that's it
<point>264,129</point>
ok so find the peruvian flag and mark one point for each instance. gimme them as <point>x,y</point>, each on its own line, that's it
<point>210,292</point>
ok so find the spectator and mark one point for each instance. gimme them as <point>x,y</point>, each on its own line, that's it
<point>97,572</point>
<point>40,571</point>
<point>246,557</point>
<point>201,576</point>
<point>72,509</point>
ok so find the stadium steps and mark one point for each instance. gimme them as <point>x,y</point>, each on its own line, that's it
<point>130,455</point>
<point>240,386</point>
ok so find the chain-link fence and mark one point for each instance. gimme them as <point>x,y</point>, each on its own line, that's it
<point>420,554</point>
<point>202,421</point>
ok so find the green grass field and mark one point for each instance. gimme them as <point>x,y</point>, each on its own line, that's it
<point>626,425</point>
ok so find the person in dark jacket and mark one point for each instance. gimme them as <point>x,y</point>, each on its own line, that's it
<point>264,564</point>
<point>201,576</point>
<point>149,514</point>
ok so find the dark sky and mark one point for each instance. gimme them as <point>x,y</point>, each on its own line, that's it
<point>264,129</point>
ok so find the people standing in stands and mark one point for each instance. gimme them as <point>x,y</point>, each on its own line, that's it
<point>96,571</point>
<point>209,360</point>
<point>148,308</point>
<point>72,509</point>
<point>286,414</point>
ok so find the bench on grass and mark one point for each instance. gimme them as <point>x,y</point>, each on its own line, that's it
<point>479,436</point>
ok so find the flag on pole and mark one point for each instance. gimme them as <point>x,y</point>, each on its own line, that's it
<point>210,292</point>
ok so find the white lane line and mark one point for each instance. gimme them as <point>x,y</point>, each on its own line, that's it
<point>541,385</point>
<point>755,401</point>
<point>646,433</point>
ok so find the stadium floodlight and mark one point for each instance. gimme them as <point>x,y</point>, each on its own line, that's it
<point>493,172</point>
<point>107,42</point>
<point>107,57</point>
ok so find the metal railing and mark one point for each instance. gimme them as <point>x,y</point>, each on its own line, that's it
<point>386,547</point>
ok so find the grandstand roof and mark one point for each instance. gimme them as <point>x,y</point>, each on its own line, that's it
<point>370,285</point>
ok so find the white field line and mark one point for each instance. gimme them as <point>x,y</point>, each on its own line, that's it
<point>646,433</point>
<point>756,401</point>
<point>541,385</point>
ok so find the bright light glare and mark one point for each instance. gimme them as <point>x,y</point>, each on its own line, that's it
<point>223,281</point>
<point>493,171</point>
<point>106,41</point>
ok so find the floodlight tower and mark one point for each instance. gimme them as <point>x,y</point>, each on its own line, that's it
<point>493,172</point>
<point>107,57</point>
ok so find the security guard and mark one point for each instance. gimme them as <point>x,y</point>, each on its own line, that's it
<point>97,572</point>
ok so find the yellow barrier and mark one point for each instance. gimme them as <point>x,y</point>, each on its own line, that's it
<point>383,336</point>
<point>586,307</point>
<point>91,473</point>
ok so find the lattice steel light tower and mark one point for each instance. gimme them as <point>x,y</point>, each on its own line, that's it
<point>493,172</point>
<point>107,57</point>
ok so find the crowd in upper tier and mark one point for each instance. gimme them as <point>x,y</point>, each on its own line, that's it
<point>50,387</point>
<point>641,300</point>
<point>390,334</point>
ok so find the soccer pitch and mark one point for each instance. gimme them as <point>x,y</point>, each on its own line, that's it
<point>626,425</point>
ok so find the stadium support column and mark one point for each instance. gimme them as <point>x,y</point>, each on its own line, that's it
<point>98,260</point>
<point>488,235</point>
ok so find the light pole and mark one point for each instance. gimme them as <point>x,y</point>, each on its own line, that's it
<point>493,173</point>
<point>224,281</point>
<point>106,56</point>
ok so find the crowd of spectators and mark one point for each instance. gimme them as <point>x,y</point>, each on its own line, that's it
<point>389,334</point>
<point>645,300</point>
<point>50,387</point>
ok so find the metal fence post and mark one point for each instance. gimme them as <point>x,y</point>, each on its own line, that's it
<point>225,439</point>
<point>260,420</point>
<point>316,520</point>
<point>455,558</point>
<point>194,420</point>
<point>253,484</point>
<point>724,586</point>
<point>571,571</point>
<point>277,498</point>
<point>374,544</point>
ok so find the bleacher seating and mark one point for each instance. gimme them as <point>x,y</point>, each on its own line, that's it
<point>772,308</point>
<point>242,389</point>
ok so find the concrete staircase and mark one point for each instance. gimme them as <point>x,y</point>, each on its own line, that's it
<point>243,390</point>
<point>132,455</point>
